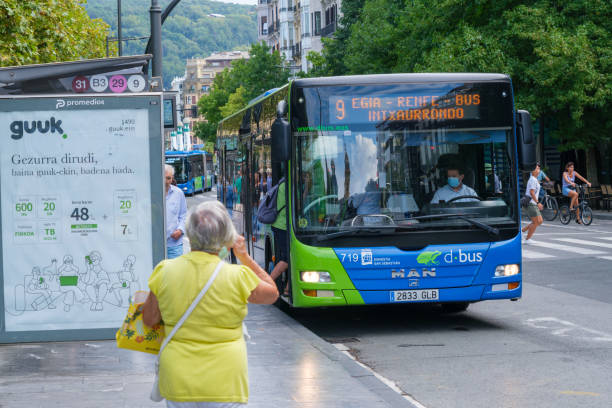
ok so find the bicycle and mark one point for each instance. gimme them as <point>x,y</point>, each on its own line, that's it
<point>550,206</point>
<point>586,213</point>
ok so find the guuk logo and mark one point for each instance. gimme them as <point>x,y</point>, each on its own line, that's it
<point>18,127</point>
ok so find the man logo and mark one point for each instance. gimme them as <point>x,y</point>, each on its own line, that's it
<point>60,103</point>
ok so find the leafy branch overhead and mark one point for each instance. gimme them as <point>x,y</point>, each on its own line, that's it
<point>558,54</point>
<point>42,31</point>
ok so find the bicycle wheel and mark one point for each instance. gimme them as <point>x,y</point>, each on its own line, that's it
<point>551,208</point>
<point>586,215</point>
<point>565,215</point>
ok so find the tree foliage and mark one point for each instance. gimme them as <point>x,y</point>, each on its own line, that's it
<point>558,54</point>
<point>41,31</point>
<point>188,32</point>
<point>233,89</point>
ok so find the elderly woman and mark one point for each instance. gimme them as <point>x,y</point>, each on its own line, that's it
<point>205,363</point>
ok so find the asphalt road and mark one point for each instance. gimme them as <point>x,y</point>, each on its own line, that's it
<point>552,348</point>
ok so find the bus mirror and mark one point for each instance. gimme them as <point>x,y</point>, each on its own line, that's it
<point>280,140</point>
<point>525,141</point>
<point>281,109</point>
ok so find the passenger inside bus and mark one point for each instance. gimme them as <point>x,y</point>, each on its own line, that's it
<point>367,202</point>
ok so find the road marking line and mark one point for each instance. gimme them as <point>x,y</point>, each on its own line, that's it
<point>576,250</point>
<point>563,328</point>
<point>587,393</point>
<point>608,238</point>
<point>584,242</point>
<point>607,258</point>
<point>535,255</point>
<point>389,383</point>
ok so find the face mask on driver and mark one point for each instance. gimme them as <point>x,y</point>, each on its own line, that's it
<point>453,182</point>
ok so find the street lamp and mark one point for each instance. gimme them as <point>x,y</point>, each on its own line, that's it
<point>118,29</point>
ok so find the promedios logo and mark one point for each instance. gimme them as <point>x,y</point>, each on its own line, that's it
<point>52,125</point>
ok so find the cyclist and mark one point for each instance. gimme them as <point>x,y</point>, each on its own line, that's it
<point>569,187</point>
<point>541,177</point>
<point>534,207</point>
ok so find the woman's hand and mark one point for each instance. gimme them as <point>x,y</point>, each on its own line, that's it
<point>240,249</point>
<point>588,184</point>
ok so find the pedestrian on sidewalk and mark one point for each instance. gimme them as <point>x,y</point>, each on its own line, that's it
<point>176,210</point>
<point>534,207</point>
<point>205,363</point>
<point>569,187</point>
<point>229,198</point>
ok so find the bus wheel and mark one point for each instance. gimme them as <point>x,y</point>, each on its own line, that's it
<point>455,307</point>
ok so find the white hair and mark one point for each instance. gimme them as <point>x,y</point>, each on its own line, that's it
<point>169,168</point>
<point>209,227</point>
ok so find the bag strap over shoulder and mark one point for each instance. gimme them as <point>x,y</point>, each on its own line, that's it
<point>191,307</point>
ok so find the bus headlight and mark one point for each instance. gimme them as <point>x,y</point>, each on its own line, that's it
<point>507,270</point>
<point>315,277</point>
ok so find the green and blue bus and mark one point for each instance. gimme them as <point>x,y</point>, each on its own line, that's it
<point>369,162</point>
<point>191,170</point>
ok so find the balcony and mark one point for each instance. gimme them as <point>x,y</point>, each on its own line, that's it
<point>328,30</point>
<point>296,51</point>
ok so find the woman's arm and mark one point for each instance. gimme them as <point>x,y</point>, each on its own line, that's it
<point>582,178</point>
<point>266,292</point>
<point>151,315</point>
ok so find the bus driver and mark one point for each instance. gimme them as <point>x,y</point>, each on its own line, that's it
<point>454,187</point>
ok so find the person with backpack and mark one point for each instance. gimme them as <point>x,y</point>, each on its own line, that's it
<point>272,210</point>
<point>279,229</point>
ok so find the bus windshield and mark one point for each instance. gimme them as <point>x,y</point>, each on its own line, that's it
<point>181,168</point>
<point>403,157</point>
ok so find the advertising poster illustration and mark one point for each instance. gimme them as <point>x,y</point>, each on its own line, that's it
<point>76,213</point>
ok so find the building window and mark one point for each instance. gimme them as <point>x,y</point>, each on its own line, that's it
<point>317,23</point>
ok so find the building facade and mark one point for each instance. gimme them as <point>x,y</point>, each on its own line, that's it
<point>295,27</point>
<point>199,76</point>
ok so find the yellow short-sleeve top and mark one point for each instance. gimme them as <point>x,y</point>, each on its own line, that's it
<point>206,359</point>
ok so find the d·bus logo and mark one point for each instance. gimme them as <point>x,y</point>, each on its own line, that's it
<point>462,257</point>
<point>52,125</point>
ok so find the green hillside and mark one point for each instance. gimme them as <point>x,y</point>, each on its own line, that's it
<point>188,32</point>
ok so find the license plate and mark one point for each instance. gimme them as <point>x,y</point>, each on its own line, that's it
<point>414,295</point>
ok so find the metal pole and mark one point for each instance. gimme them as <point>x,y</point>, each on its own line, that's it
<point>119,27</point>
<point>155,13</point>
<point>107,46</point>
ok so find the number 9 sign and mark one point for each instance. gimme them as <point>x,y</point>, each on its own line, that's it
<point>117,83</point>
<point>136,83</point>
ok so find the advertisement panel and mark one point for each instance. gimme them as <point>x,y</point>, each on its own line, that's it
<point>81,198</point>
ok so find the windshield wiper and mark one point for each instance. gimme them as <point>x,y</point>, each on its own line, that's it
<point>491,230</point>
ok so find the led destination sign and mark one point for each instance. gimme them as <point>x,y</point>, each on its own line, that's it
<point>403,108</point>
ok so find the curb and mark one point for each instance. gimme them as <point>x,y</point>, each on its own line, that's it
<point>355,370</point>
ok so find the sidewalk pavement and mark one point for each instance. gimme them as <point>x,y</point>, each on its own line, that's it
<point>289,366</point>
